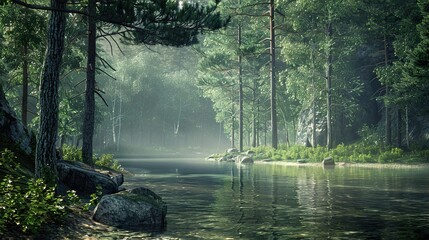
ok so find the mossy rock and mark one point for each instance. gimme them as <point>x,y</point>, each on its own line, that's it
<point>138,208</point>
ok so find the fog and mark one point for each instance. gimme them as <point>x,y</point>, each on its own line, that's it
<point>152,103</point>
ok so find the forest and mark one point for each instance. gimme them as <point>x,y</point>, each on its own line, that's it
<point>366,60</point>
<point>136,77</point>
<point>264,73</point>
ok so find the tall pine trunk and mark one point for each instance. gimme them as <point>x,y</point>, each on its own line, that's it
<point>45,160</point>
<point>388,123</point>
<point>240,92</point>
<point>88,122</point>
<point>274,138</point>
<point>24,105</point>
<point>329,34</point>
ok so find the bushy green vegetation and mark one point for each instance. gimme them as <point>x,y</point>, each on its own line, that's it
<point>27,204</point>
<point>354,153</point>
<point>71,153</point>
<point>28,207</point>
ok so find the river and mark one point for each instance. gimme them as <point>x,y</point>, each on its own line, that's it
<point>211,200</point>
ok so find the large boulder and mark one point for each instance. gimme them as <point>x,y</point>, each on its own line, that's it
<point>137,208</point>
<point>83,179</point>
<point>14,135</point>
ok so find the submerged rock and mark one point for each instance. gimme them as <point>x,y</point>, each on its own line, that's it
<point>137,208</point>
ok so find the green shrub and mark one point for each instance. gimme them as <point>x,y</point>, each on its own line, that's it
<point>29,207</point>
<point>107,160</point>
<point>71,153</point>
<point>393,155</point>
<point>28,204</point>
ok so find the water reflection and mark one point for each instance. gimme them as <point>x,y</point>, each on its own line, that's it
<point>208,200</point>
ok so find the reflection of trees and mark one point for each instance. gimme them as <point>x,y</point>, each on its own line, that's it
<point>316,201</point>
<point>256,203</point>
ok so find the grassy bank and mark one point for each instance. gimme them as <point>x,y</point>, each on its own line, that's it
<point>354,153</point>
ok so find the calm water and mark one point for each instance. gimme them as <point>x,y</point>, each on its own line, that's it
<point>209,200</point>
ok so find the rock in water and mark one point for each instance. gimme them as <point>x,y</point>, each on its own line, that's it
<point>244,159</point>
<point>329,161</point>
<point>137,208</point>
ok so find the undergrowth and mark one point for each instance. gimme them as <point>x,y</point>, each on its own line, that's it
<point>28,204</point>
<point>71,153</point>
<point>354,153</point>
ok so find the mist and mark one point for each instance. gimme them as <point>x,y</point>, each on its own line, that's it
<point>151,103</point>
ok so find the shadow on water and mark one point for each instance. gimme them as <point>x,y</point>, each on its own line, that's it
<point>210,200</point>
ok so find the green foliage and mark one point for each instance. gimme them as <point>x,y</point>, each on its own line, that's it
<point>30,206</point>
<point>94,199</point>
<point>71,153</point>
<point>107,160</point>
<point>27,204</point>
<point>355,153</point>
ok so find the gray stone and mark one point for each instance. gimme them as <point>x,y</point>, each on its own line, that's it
<point>83,179</point>
<point>137,208</point>
<point>329,161</point>
<point>244,159</point>
<point>301,160</point>
<point>232,150</point>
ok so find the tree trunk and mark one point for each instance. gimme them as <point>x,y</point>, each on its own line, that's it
<point>407,132</point>
<point>24,106</point>
<point>398,129</point>
<point>240,92</point>
<point>388,123</point>
<point>88,122</point>
<point>329,87</point>
<point>254,114</point>
<point>274,140</point>
<point>313,133</point>
<point>49,101</point>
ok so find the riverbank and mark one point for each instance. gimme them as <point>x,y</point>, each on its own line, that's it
<point>344,164</point>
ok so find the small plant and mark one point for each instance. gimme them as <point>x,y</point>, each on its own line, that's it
<point>71,153</point>
<point>107,160</point>
<point>94,198</point>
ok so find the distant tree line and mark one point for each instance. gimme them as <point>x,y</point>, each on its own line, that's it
<point>342,67</point>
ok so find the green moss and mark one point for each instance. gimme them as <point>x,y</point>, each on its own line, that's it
<point>148,198</point>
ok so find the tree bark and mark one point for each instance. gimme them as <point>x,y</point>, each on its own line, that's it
<point>388,123</point>
<point>49,101</point>
<point>398,129</point>
<point>240,92</point>
<point>329,33</point>
<point>88,123</point>
<point>254,114</point>
<point>24,105</point>
<point>274,138</point>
